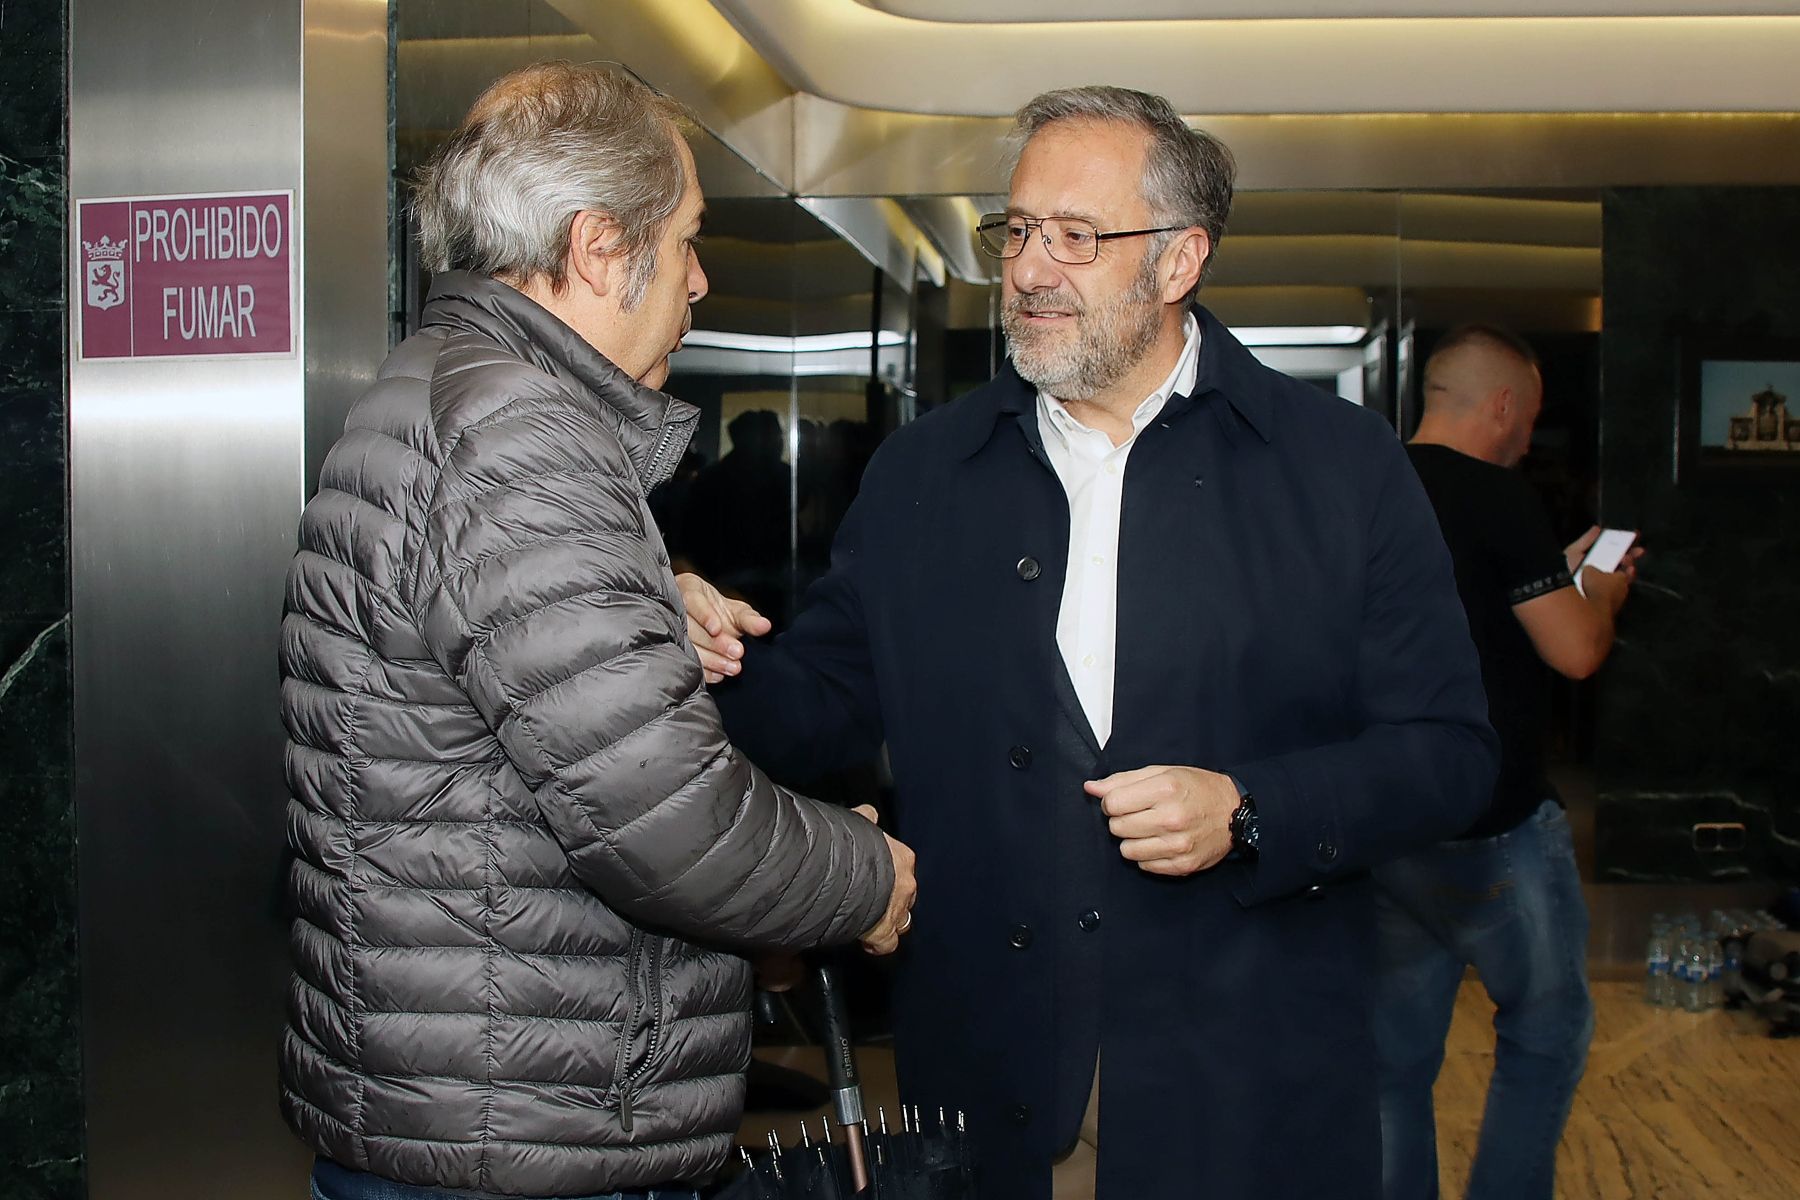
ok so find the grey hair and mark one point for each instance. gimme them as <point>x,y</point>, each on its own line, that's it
<point>1189,175</point>
<point>539,146</point>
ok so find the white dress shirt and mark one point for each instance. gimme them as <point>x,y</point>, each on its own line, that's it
<point>1092,471</point>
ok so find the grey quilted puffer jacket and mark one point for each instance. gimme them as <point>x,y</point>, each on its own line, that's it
<point>524,851</point>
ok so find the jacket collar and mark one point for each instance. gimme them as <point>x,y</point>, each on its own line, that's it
<point>653,426</point>
<point>1226,369</point>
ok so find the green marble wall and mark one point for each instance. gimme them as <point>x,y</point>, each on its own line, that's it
<point>1700,702</point>
<point>40,1065</point>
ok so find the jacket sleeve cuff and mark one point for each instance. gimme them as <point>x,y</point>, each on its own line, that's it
<point>870,846</point>
<point>1299,846</point>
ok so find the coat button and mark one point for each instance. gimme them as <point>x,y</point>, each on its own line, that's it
<point>1327,852</point>
<point>1019,757</point>
<point>1028,569</point>
<point>1314,892</point>
<point>1089,920</point>
<point>1021,1114</point>
<point>1020,937</point>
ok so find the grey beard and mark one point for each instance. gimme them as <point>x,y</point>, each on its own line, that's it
<point>1109,341</point>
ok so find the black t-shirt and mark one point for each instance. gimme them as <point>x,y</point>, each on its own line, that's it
<point>1505,554</point>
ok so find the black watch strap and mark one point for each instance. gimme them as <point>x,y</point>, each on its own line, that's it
<point>1246,830</point>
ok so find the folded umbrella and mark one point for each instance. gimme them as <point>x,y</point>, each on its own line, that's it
<point>927,1157</point>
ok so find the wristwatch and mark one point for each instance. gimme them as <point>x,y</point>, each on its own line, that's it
<point>1246,831</point>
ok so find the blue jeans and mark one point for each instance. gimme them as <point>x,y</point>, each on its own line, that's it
<point>1510,905</point>
<point>332,1182</point>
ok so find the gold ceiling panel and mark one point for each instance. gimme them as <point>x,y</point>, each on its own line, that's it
<point>858,55</point>
<point>1007,12</point>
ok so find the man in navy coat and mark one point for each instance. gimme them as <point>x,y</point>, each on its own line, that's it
<point>1167,653</point>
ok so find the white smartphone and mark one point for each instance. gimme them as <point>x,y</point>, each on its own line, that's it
<point>1607,552</point>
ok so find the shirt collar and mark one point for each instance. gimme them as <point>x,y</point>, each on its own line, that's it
<point>1180,381</point>
<point>1225,367</point>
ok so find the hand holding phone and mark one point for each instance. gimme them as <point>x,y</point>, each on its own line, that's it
<point>1607,552</point>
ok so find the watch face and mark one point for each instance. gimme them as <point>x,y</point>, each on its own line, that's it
<point>1244,827</point>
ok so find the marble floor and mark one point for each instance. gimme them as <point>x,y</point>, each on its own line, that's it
<point>1674,1106</point>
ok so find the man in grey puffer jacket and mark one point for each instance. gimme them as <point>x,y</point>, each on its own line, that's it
<point>527,859</point>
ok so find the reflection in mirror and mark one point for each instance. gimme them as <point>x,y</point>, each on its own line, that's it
<point>1308,281</point>
<point>794,387</point>
<point>1530,262</point>
<point>791,387</point>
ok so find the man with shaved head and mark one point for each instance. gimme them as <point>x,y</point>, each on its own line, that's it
<point>1505,896</point>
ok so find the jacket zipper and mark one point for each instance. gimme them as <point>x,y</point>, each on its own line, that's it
<point>630,1027</point>
<point>664,436</point>
<point>652,989</point>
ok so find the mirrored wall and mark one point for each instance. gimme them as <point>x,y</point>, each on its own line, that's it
<point>831,321</point>
<point>804,353</point>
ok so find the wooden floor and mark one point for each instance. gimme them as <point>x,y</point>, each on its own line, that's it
<point>1675,1105</point>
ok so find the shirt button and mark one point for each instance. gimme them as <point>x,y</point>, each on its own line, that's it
<point>1112,468</point>
<point>1089,921</point>
<point>1019,757</point>
<point>1021,1114</point>
<point>1088,661</point>
<point>1028,569</point>
<point>1020,937</point>
<point>1099,561</point>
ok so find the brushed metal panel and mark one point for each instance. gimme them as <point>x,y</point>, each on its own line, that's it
<point>685,48</point>
<point>437,79</point>
<point>186,483</point>
<point>949,221</point>
<point>345,82</point>
<point>884,233</point>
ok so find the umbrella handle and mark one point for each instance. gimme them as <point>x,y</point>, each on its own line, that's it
<point>840,1067</point>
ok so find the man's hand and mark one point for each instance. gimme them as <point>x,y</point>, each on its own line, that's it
<point>1608,589</point>
<point>1576,550</point>
<point>716,625</point>
<point>1628,566</point>
<point>885,937</point>
<point>1573,553</point>
<point>1169,820</point>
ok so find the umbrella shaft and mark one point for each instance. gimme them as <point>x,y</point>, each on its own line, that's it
<point>859,1163</point>
<point>848,1103</point>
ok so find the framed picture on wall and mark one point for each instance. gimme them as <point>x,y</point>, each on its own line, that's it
<point>1740,412</point>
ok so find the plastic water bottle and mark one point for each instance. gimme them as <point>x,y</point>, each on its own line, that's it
<point>1675,968</point>
<point>1659,967</point>
<point>1715,974</point>
<point>1692,985</point>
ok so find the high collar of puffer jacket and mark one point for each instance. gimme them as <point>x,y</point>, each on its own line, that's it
<point>655,427</point>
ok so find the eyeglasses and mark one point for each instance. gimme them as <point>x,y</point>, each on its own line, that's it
<point>1069,240</point>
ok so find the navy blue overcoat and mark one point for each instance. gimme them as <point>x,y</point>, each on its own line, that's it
<point>1287,614</point>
